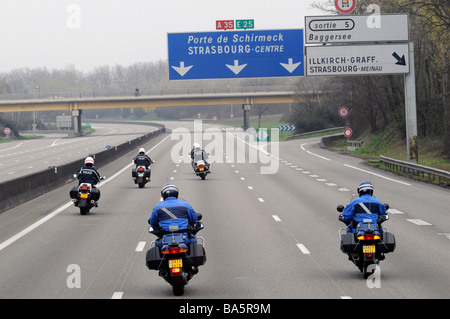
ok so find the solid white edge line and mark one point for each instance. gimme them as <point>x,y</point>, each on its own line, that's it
<point>363,170</point>
<point>22,233</point>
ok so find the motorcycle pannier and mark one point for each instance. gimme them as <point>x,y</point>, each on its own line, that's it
<point>95,193</point>
<point>348,243</point>
<point>197,255</point>
<point>74,192</point>
<point>388,243</point>
<point>153,259</point>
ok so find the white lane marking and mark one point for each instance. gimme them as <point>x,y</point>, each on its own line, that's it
<point>303,148</point>
<point>278,219</point>
<point>249,187</point>
<point>303,249</point>
<point>343,189</point>
<point>395,211</point>
<point>117,295</point>
<point>242,179</point>
<point>368,172</point>
<point>419,222</point>
<point>140,246</point>
<point>22,233</point>
<point>261,200</point>
<point>346,297</point>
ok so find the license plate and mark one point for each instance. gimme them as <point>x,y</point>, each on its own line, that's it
<point>370,249</point>
<point>83,196</point>
<point>175,263</point>
<point>201,169</point>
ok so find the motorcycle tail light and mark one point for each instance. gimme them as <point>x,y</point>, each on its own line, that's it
<point>176,270</point>
<point>141,169</point>
<point>368,237</point>
<point>174,250</point>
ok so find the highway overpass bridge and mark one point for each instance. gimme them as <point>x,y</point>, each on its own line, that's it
<point>76,105</point>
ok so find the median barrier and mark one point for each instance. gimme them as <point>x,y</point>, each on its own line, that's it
<point>25,188</point>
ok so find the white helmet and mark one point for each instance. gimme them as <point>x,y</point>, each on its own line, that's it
<point>89,160</point>
<point>196,145</point>
<point>142,150</point>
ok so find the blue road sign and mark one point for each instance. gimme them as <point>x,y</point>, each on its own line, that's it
<point>236,54</point>
<point>286,128</point>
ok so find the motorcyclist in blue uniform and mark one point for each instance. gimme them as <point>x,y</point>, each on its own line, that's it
<point>173,215</point>
<point>364,208</point>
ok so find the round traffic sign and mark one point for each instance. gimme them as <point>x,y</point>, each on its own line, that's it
<point>343,111</point>
<point>345,6</point>
<point>7,131</point>
<point>348,132</point>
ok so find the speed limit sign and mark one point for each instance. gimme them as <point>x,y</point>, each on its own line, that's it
<point>348,132</point>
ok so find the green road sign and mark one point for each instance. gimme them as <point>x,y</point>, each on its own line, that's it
<point>245,24</point>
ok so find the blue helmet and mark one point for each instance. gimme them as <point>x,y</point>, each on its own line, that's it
<point>365,188</point>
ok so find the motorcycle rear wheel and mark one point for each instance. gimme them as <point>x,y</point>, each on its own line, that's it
<point>84,210</point>
<point>178,289</point>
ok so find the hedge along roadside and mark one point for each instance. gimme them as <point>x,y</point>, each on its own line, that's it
<point>25,188</point>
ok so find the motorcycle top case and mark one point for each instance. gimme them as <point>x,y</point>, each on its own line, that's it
<point>387,245</point>
<point>348,243</point>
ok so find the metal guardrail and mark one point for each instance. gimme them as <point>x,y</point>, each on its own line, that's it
<point>420,169</point>
<point>316,132</point>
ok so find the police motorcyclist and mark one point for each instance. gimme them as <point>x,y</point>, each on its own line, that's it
<point>88,174</point>
<point>173,215</point>
<point>363,208</point>
<point>197,153</point>
<point>142,159</point>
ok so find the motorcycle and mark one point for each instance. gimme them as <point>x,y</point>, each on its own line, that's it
<point>369,244</point>
<point>201,169</point>
<point>176,260</point>
<point>141,175</point>
<point>85,196</point>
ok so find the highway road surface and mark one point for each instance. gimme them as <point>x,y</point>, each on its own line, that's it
<point>23,157</point>
<point>268,236</point>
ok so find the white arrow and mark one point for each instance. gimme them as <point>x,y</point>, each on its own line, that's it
<point>182,70</point>
<point>236,68</point>
<point>290,66</point>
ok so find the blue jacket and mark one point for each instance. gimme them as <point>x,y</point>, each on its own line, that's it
<point>357,212</point>
<point>173,214</point>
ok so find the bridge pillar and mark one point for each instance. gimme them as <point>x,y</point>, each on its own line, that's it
<point>246,108</point>
<point>76,114</point>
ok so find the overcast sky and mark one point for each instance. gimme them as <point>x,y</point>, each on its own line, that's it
<point>92,33</point>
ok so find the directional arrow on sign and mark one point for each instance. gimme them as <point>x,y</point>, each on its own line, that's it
<point>290,66</point>
<point>182,70</point>
<point>236,68</point>
<point>400,61</point>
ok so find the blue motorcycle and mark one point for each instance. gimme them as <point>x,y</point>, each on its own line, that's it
<point>174,257</point>
<point>368,245</point>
